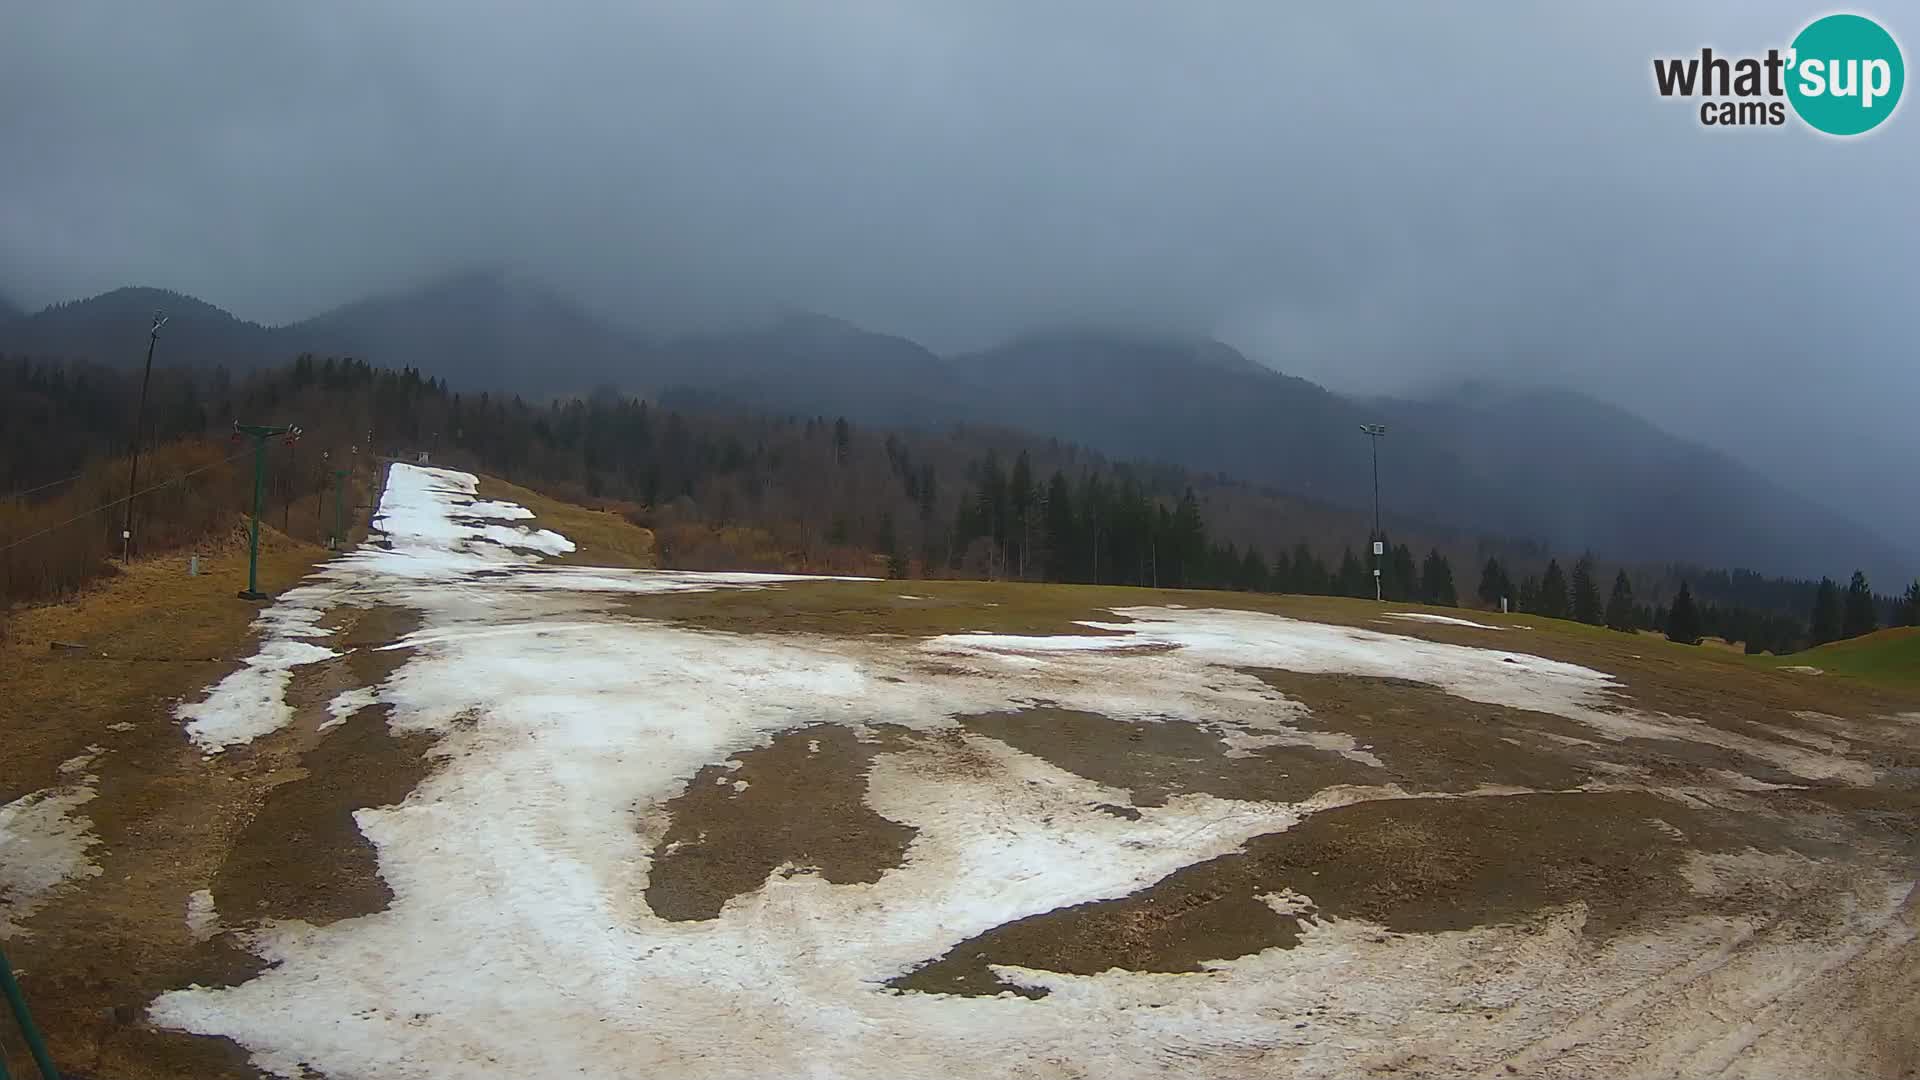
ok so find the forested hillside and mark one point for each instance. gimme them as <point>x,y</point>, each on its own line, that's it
<point>740,490</point>
<point>724,488</point>
<point>1550,466</point>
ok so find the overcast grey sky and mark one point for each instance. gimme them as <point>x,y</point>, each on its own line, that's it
<point>1376,196</point>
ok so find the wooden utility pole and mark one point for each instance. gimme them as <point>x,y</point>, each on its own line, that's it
<point>139,428</point>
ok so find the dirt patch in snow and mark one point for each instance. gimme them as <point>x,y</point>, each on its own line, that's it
<point>302,856</point>
<point>1833,820</point>
<point>1157,759</point>
<point>857,608</point>
<point>1410,865</point>
<point>798,803</point>
<point>365,630</point>
<point>1678,761</point>
<point>1430,740</point>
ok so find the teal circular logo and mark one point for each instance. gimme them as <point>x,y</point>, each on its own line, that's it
<point>1845,74</point>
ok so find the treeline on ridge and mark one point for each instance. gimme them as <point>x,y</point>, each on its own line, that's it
<point>750,491</point>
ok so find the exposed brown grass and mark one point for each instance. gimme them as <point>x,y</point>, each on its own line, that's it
<point>190,492</point>
<point>602,534</point>
<point>150,636</point>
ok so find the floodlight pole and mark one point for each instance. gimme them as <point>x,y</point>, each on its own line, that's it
<point>1375,432</point>
<point>139,425</point>
<point>260,434</point>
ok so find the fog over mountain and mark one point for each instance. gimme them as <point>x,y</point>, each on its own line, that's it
<point>1382,199</point>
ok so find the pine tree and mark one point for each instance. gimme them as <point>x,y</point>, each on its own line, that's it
<point>1527,594</point>
<point>1683,622</point>
<point>1253,572</point>
<point>1825,623</point>
<point>1309,573</point>
<point>1280,573</point>
<point>1436,581</point>
<point>1187,542</point>
<point>1621,613</point>
<point>1551,600</point>
<point>1908,613</point>
<point>1402,574</point>
<point>1352,579</point>
<point>1057,533</point>
<point>1857,615</point>
<point>1494,583</point>
<point>889,546</point>
<point>842,440</point>
<point>926,492</point>
<point>1020,486</point>
<point>1586,592</point>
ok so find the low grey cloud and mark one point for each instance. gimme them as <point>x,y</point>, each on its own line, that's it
<point>1377,196</point>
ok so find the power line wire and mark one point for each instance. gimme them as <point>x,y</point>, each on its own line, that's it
<point>28,491</point>
<point>124,498</point>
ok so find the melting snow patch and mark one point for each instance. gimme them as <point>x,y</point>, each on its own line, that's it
<point>1447,620</point>
<point>490,509</point>
<point>203,922</point>
<point>564,732</point>
<point>348,702</point>
<point>1243,639</point>
<point>252,701</point>
<point>986,642</point>
<point>545,541</point>
<point>44,842</point>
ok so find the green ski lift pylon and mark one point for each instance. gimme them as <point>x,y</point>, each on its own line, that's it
<point>260,433</point>
<point>17,1002</point>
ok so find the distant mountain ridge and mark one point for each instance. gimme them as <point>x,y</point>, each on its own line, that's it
<point>1581,472</point>
<point>112,329</point>
<point>481,329</point>
<point>1548,465</point>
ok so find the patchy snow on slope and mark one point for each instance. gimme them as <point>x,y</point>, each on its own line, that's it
<point>544,541</point>
<point>429,533</point>
<point>1250,639</point>
<point>487,508</point>
<point>252,701</point>
<point>44,841</point>
<point>981,641</point>
<point>1445,620</point>
<point>347,702</point>
<point>519,866</point>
